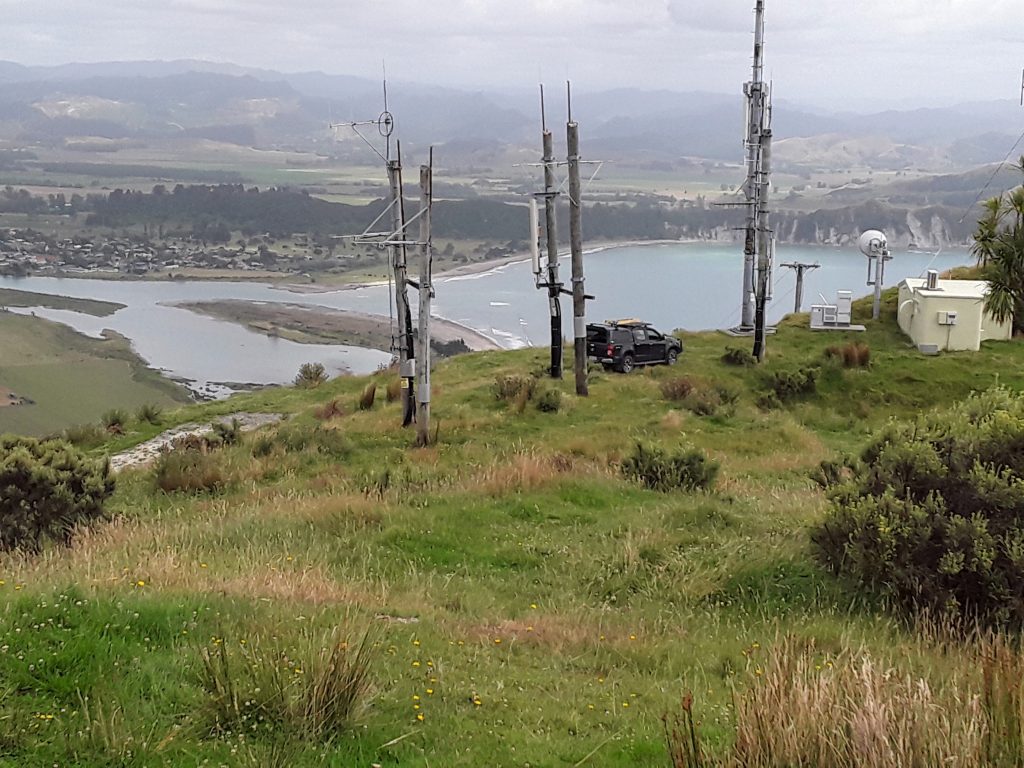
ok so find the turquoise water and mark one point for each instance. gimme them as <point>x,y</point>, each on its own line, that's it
<point>673,286</point>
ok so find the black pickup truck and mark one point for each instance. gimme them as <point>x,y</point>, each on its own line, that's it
<point>625,344</point>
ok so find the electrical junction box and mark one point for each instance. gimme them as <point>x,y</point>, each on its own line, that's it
<point>947,318</point>
<point>844,307</point>
<point>818,316</point>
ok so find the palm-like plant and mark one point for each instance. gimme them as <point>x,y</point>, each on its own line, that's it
<point>999,248</point>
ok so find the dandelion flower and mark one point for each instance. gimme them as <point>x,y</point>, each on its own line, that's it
<point>419,717</point>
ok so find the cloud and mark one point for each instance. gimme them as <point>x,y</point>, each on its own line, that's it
<point>829,51</point>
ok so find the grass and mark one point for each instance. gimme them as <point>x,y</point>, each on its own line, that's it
<point>71,378</point>
<point>529,605</point>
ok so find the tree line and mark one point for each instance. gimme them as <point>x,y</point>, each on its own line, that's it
<point>213,212</point>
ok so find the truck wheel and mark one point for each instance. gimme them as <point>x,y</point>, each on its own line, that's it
<point>627,363</point>
<point>672,357</point>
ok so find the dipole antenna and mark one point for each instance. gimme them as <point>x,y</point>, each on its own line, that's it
<point>403,345</point>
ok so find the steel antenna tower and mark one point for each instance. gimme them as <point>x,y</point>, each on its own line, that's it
<point>402,340</point>
<point>755,188</point>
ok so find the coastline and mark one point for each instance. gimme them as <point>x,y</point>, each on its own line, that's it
<point>483,267</point>
<point>302,323</point>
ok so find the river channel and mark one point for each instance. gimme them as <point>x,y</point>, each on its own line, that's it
<point>692,286</point>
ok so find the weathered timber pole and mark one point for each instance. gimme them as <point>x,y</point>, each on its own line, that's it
<point>423,340</point>
<point>405,342</point>
<point>765,246</point>
<point>551,236</point>
<point>800,268</point>
<point>579,300</point>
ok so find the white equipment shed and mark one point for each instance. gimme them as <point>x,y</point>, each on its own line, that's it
<point>947,315</point>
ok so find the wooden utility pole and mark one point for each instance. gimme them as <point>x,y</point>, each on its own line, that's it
<point>800,268</point>
<point>551,236</point>
<point>426,259</point>
<point>405,342</point>
<point>765,247</point>
<point>579,300</point>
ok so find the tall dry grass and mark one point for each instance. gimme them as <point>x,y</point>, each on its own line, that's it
<point>313,693</point>
<point>804,708</point>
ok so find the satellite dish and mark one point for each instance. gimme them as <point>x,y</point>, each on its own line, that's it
<point>872,243</point>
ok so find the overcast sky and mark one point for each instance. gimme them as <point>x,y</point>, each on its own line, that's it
<point>826,52</point>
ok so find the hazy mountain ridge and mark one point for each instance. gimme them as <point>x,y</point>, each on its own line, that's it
<point>294,109</point>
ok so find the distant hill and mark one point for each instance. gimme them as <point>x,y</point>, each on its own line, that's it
<point>154,99</point>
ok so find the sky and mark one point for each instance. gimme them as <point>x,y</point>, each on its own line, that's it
<point>830,53</point>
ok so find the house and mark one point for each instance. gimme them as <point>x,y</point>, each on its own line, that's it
<point>947,315</point>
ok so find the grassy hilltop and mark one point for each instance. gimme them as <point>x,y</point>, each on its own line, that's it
<point>525,604</point>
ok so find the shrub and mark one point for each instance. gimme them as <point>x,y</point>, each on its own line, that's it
<point>513,387</point>
<point>296,438</point>
<point>311,693</point>
<point>330,410</point>
<point>549,401</point>
<point>677,389</point>
<point>738,356</point>
<point>85,435</point>
<point>853,355</point>
<point>768,401</point>
<point>932,517</point>
<point>149,414</point>
<point>703,402</point>
<point>114,420</point>
<point>368,397</point>
<point>685,469</point>
<point>47,487</point>
<point>310,375</point>
<point>263,445</point>
<point>699,397</point>
<point>227,432</point>
<point>789,385</point>
<point>829,473</point>
<point>393,391</point>
<point>188,470</point>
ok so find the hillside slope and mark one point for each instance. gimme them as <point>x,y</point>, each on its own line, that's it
<point>527,605</point>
